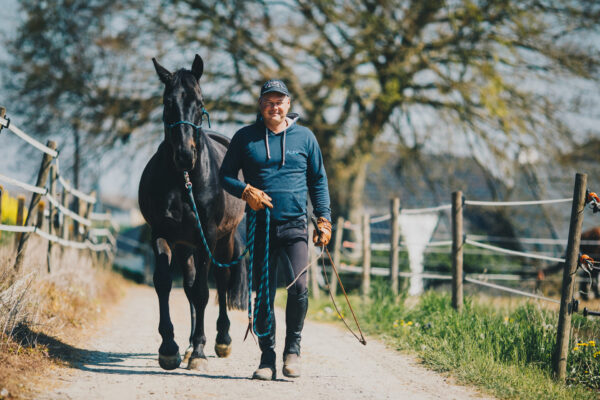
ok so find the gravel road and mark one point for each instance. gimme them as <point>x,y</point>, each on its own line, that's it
<point>120,362</point>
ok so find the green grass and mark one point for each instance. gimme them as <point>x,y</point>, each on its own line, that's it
<point>504,350</point>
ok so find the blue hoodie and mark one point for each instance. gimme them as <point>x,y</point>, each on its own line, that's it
<point>285,166</point>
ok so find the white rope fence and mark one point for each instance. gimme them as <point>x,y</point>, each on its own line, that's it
<point>511,290</point>
<point>86,244</point>
<point>514,203</point>
<point>86,197</point>
<point>67,243</point>
<point>426,210</point>
<point>512,252</point>
<point>67,212</point>
<point>27,138</point>
<point>22,185</point>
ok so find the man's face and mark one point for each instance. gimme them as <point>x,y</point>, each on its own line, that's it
<point>274,107</point>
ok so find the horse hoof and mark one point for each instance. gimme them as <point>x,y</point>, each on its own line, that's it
<point>198,364</point>
<point>223,350</point>
<point>169,362</point>
<point>187,355</point>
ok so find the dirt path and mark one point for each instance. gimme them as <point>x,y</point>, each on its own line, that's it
<point>121,363</point>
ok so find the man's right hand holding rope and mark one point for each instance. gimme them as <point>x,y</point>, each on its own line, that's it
<point>256,198</point>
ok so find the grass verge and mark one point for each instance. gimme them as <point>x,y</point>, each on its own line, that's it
<point>41,312</point>
<point>504,349</point>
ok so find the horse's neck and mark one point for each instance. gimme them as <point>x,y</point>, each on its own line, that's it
<point>205,173</point>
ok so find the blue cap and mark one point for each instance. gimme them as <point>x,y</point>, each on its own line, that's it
<point>274,85</point>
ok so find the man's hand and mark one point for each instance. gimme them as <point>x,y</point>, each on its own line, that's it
<point>322,237</point>
<point>256,198</point>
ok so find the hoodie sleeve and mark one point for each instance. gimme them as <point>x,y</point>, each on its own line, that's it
<point>317,180</point>
<point>232,163</point>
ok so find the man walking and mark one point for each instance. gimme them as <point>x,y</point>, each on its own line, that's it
<point>281,162</point>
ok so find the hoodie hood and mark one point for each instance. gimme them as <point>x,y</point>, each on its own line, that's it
<point>291,119</point>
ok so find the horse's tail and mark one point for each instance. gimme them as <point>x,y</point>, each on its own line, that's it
<point>237,292</point>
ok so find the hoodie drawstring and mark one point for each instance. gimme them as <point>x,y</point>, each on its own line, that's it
<point>267,143</point>
<point>282,146</point>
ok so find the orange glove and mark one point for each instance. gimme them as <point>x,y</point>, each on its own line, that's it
<point>322,237</point>
<point>256,198</point>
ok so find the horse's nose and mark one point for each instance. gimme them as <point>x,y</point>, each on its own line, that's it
<point>184,160</point>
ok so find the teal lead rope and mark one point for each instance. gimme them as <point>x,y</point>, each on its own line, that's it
<point>264,281</point>
<point>264,284</point>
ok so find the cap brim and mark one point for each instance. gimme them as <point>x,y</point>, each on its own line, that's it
<point>276,90</point>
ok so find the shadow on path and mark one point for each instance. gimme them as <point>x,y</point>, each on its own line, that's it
<point>101,361</point>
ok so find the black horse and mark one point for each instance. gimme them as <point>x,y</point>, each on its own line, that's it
<point>176,238</point>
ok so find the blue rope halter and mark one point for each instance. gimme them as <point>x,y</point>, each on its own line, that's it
<point>197,127</point>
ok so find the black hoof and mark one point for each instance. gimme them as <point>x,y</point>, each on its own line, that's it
<point>169,362</point>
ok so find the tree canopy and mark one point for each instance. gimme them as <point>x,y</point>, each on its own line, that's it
<point>487,78</point>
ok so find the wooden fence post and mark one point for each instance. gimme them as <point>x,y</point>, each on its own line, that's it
<point>337,252</point>
<point>40,214</point>
<point>66,219</point>
<point>51,212</point>
<point>570,268</point>
<point>457,250</point>
<point>35,199</point>
<point>20,217</point>
<point>366,250</point>
<point>394,243</point>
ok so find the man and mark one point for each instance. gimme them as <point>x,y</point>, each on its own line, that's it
<point>281,162</point>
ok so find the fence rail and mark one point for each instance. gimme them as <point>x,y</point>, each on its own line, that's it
<point>80,221</point>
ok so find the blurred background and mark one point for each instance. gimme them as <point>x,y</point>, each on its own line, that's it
<point>408,99</point>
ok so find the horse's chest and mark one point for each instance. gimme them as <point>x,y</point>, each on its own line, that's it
<point>179,216</point>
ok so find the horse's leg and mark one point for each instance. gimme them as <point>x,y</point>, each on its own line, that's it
<point>188,351</point>
<point>168,352</point>
<point>224,251</point>
<point>195,284</point>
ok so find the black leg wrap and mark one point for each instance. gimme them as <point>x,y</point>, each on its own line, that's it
<point>295,312</point>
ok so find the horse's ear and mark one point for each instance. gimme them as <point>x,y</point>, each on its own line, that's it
<point>198,67</point>
<point>163,73</point>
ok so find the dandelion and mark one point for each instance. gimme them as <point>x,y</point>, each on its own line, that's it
<point>592,343</point>
<point>575,348</point>
<point>596,354</point>
<point>409,323</point>
<point>582,344</point>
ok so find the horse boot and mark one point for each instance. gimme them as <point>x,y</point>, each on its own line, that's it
<point>295,312</point>
<point>266,370</point>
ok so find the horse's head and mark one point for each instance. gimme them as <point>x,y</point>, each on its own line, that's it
<point>183,111</point>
